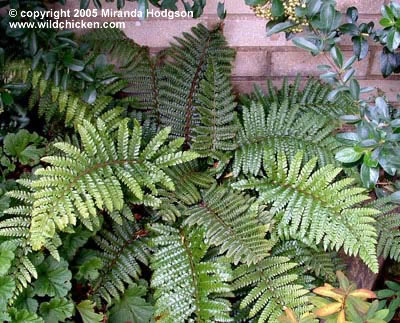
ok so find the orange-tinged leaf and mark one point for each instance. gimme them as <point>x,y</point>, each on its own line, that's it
<point>363,293</point>
<point>290,315</point>
<point>328,292</point>
<point>341,317</point>
<point>328,309</point>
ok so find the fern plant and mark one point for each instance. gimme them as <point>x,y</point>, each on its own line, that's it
<point>216,130</point>
<point>308,205</point>
<point>169,202</point>
<point>86,180</point>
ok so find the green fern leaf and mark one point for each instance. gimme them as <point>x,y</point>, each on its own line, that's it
<point>182,74</point>
<point>185,284</point>
<point>122,251</point>
<point>272,288</point>
<point>232,221</point>
<point>85,180</point>
<point>215,106</point>
<point>310,206</point>
<point>283,129</point>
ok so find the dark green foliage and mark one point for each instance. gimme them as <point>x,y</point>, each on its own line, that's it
<point>122,202</point>
<point>283,129</point>
<point>309,205</point>
<point>179,86</point>
<point>121,252</point>
<point>215,106</point>
<point>271,288</point>
<point>185,283</point>
<point>313,97</point>
<point>233,222</point>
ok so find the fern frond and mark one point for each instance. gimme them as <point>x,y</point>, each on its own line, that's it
<point>315,261</point>
<point>310,206</point>
<point>272,287</point>
<point>232,221</point>
<point>84,180</point>
<point>136,66</point>
<point>313,97</point>
<point>387,226</point>
<point>283,129</point>
<point>187,285</point>
<point>122,251</point>
<point>188,179</point>
<point>215,106</point>
<point>182,74</point>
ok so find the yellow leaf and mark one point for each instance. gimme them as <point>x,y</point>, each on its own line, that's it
<point>341,317</point>
<point>328,292</point>
<point>363,293</point>
<point>328,309</point>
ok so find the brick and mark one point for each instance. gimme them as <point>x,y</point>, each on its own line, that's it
<point>389,87</point>
<point>293,63</point>
<point>363,6</point>
<point>251,31</point>
<point>376,68</point>
<point>251,63</point>
<point>159,34</point>
<point>232,6</point>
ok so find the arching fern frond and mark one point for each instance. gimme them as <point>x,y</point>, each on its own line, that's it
<point>187,286</point>
<point>233,222</point>
<point>82,181</point>
<point>387,226</point>
<point>315,261</point>
<point>285,129</point>
<point>122,250</point>
<point>182,73</point>
<point>272,287</point>
<point>313,97</point>
<point>310,206</point>
<point>135,64</point>
<point>215,106</point>
<point>53,101</point>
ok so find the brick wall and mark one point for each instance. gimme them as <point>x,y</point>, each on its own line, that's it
<point>260,57</point>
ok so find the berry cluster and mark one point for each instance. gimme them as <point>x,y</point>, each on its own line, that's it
<point>265,11</point>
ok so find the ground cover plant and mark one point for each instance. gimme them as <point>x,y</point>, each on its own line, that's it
<point>139,188</point>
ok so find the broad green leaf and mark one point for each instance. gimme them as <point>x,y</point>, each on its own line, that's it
<point>7,287</point>
<point>337,56</point>
<point>277,28</point>
<point>86,309</point>
<point>348,155</point>
<point>305,44</point>
<point>23,316</point>
<point>132,307</point>
<point>277,8</point>
<point>56,310</point>
<point>54,278</point>
<point>6,257</point>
